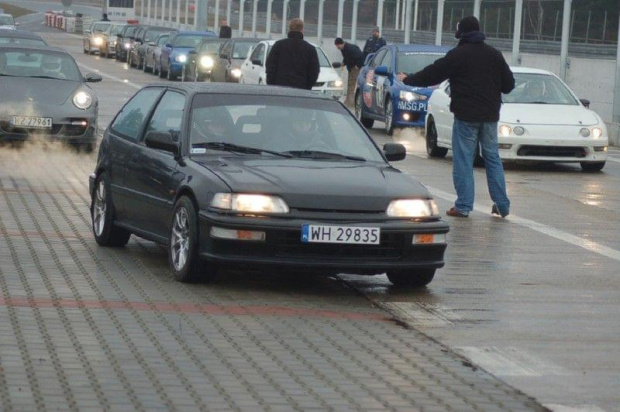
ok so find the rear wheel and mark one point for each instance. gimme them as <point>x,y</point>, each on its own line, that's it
<point>431,141</point>
<point>389,117</point>
<point>102,213</point>
<point>592,166</point>
<point>411,278</point>
<point>358,111</point>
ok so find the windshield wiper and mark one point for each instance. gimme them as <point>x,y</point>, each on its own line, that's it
<point>229,147</point>
<point>317,154</point>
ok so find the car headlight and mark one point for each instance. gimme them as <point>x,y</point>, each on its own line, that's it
<point>206,62</point>
<point>412,208</point>
<point>236,73</point>
<point>505,130</point>
<point>112,43</point>
<point>82,100</point>
<point>98,41</point>
<point>127,46</point>
<point>249,203</point>
<point>597,132</point>
<point>335,83</point>
<point>411,96</point>
<point>181,58</point>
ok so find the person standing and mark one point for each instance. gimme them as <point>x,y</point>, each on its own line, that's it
<point>293,62</point>
<point>478,76</point>
<point>353,59</point>
<point>105,17</point>
<point>374,43</point>
<point>225,30</point>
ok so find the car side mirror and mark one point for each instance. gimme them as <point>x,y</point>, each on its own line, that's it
<point>161,141</point>
<point>585,102</point>
<point>382,71</point>
<point>336,65</point>
<point>394,151</point>
<point>257,62</point>
<point>224,56</point>
<point>93,78</point>
<point>169,45</point>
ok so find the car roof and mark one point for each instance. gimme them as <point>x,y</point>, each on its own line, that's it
<point>421,48</point>
<point>520,69</point>
<point>34,48</point>
<point>202,32</point>
<point>21,34</point>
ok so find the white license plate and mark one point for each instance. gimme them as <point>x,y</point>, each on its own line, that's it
<point>360,235</point>
<point>32,122</point>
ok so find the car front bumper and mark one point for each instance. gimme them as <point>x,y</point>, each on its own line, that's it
<point>552,150</point>
<point>283,248</point>
<point>78,130</point>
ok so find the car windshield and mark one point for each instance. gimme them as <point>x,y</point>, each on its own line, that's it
<point>130,30</point>
<point>413,62</point>
<point>242,49</point>
<point>6,20</point>
<point>114,30</point>
<point>153,33</point>
<point>323,60</point>
<point>188,40</point>
<point>535,88</point>
<point>38,63</point>
<point>162,40</point>
<point>100,28</point>
<point>278,125</point>
<point>18,40</point>
<point>212,46</point>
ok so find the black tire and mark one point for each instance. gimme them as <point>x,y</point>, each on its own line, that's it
<point>171,77</point>
<point>431,141</point>
<point>102,216</point>
<point>84,47</point>
<point>183,247</point>
<point>389,116</point>
<point>155,68</point>
<point>139,62</point>
<point>145,68</point>
<point>411,278</point>
<point>592,166</point>
<point>366,122</point>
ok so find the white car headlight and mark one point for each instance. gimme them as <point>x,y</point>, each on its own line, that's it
<point>182,58</point>
<point>597,132</point>
<point>82,100</point>
<point>206,62</point>
<point>236,73</point>
<point>412,208</point>
<point>335,83</point>
<point>505,130</point>
<point>249,203</point>
<point>98,41</point>
<point>127,46</point>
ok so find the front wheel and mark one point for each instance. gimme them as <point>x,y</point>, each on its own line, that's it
<point>389,117</point>
<point>411,278</point>
<point>592,166</point>
<point>431,141</point>
<point>102,214</point>
<point>366,122</point>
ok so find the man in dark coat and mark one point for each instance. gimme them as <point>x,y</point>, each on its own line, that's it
<point>353,59</point>
<point>293,61</point>
<point>225,30</point>
<point>478,76</point>
<point>374,43</point>
<point>105,17</point>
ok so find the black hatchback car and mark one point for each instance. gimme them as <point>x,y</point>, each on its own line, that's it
<point>261,176</point>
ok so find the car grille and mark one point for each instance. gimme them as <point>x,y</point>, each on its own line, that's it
<point>552,151</point>
<point>57,129</point>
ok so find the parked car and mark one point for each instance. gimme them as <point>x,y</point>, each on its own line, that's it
<point>541,120</point>
<point>124,41</point>
<point>232,56</point>
<point>94,36</point>
<point>45,95</point>
<point>20,37</point>
<point>262,177</point>
<point>174,53</point>
<point>253,70</point>
<point>7,22</point>
<point>153,52</point>
<point>110,37</point>
<point>202,61</point>
<point>141,42</point>
<point>379,95</point>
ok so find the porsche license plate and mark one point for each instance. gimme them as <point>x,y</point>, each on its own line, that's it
<point>32,122</point>
<point>360,235</point>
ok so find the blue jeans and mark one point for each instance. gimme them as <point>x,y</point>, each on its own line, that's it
<point>465,139</point>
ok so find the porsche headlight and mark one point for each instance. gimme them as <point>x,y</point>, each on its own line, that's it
<point>335,83</point>
<point>249,203</point>
<point>181,58</point>
<point>505,130</point>
<point>597,132</point>
<point>98,41</point>
<point>236,73</point>
<point>206,62</point>
<point>82,100</point>
<point>413,208</point>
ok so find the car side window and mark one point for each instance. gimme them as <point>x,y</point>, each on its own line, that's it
<point>257,54</point>
<point>168,116</point>
<point>171,39</point>
<point>377,60</point>
<point>387,60</point>
<point>130,121</point>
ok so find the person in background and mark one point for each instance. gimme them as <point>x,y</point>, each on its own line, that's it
<point>225,30</point>
<point>353,59</point>
<point>293,62</point>
<point>478,76</point>
<point>374,43</point>
<point>105,17</point>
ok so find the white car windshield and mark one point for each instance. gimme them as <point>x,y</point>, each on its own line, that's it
<point>294,127</point>
<point>535,88</point>
<point>323,60</point>
<point>38,63</point>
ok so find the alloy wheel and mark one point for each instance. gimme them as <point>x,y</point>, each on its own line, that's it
<point>180,239</point>
<point>99,208</point>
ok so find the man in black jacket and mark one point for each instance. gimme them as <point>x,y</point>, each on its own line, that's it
<point>353,58</point>
<point>225,30</point>
<point>478,76</point>
<point>293,61</point>
<point>374,43</point>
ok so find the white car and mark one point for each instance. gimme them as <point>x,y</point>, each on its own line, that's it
<point>253,70</point>
<point>541,120</point>
<point>7,22</point>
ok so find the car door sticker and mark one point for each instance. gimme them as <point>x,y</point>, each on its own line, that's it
<point>367,88</point>
<point>380,93</point>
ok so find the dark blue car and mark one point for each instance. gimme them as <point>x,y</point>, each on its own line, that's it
<point>174,53</point>
<point>379,94</point>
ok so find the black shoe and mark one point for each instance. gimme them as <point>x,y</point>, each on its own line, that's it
<point>454,212</point>
<point>495,211</point>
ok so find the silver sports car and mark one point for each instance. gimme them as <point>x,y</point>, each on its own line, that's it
<point>45,95</point>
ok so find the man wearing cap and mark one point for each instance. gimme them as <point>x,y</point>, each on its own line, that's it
<point>353,58</point>
<point>374,43</point>
<point>478,76</point>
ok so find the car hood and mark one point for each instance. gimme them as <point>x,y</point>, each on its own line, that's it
<point>547,114</point>
<point>426,91</point>
<point>42,91</point>
<point>316,184</point>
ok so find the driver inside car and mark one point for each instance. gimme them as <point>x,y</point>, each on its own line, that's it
<point>533,91</point>
<point>51,66</point>
<point>300,132</point>
<point>211,124</point>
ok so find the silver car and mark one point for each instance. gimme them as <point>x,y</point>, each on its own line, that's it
<point>95,37</point>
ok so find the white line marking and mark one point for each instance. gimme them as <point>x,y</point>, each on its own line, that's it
<point>509,362</point>
<point>421,314</point>
<point>580,408</point>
